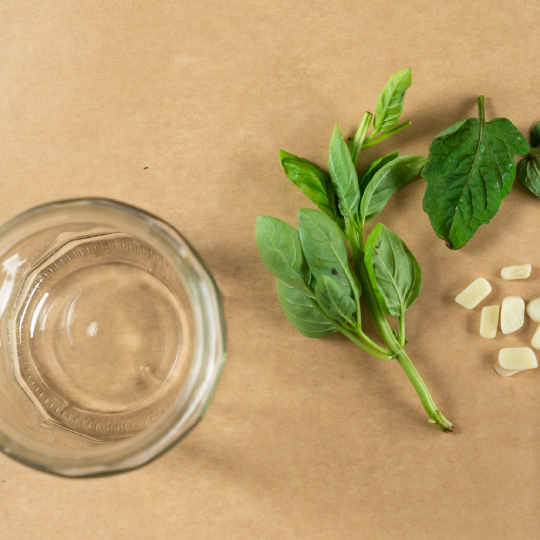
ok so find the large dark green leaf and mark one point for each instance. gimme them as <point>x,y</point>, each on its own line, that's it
<point>393,271</point>
<point>281,252</point>
<point>391,100</point>
<point>312,180</point>
<point>323,247</point>
<point>301,313</point>
<point>343,175</point>
<point>333,299</point>
<point>528,171</point>
<point>373,167</point>
<point>391,177</point>
<point>469,171</point>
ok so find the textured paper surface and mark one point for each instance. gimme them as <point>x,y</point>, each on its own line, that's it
<point>181,107</point>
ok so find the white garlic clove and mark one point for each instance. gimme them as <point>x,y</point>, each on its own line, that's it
<point>474,293</point>
<point>517,359</point>
<point>512,314</point>
<point>533,310</point>
<point>489,321</point>
<point>521,271</point>
<point>535,341</point>
<point>504,372</point>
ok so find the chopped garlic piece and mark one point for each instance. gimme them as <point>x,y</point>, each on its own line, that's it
<point>512,314</point>
<point>489,321</point>
<point>517,359</point>
<point>535,341</point>
<point>474,293</point>
<point>533,310</point>
<point>516,272</point>
<point>504,372</point>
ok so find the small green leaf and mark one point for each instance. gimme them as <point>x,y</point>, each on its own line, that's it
<point>333,299</point>
<point>355,146</point>
<point>281,252</point>
<point>312,180</point>
<point>343,175</point>
<point>323,247</point>
<point>301,313</point>
<point>391,100</point>
<point>397,335</point>
<point>393,271</point>
<point>535,135</point>
<point>386,181</point>
<point>469,171</point>
<point>373,167</point>
<point>528,171</point>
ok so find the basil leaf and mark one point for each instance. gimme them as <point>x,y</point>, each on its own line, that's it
<point>313,181</point>
<point>323,247</point>
<point>373,167</point>
<point>528,171</point>
<point>388,179</point>
<point>397,335</point>
<point>333,299</point>
<point>393,271</point>
<point>343,175</point>
<point>470,169</point>
<point>391,100</point>
<point>281,252</point>
<point>356,144</point>
<point>535,135</point>
<point>301,313</point>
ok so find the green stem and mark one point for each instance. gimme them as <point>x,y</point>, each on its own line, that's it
<point>402,329</point>
<point>372,142</point>
<point>351,336</point>
<point>423,393</point>
<point>370,342</point>
<point>481,108</point>
<point>361,344</point>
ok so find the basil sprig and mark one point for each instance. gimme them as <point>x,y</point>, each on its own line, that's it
<point>318,284</point>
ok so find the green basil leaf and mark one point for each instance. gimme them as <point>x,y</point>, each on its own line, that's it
<point>470,169</point>
<point>281,252</point>
<point>333,299</point>
<point>393,271</point>
<point>397,335</point>
<point>313,181</point>
<point>301,313</point>
<point>528,171</point>
<point>535,135</point>
<point>391,100</point>
<point>373,167</point>
<point>343,175</point>
<point>323,247</point>
<point>388,179</point>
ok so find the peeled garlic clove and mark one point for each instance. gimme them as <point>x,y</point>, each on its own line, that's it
<point>521,271</point>
<point>512,314</point>
<point>474,293</point>
<point>517,359</point>
<point>489,321</point>
<point>533,310</point>
<point>504,372</point>
<point>535,341</point>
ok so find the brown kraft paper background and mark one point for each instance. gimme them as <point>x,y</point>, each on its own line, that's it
<point>181,107</point>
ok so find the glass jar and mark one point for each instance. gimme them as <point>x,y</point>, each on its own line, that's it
<point>112,335</point>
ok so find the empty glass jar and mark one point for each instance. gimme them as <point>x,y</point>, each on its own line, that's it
<point>112,337</point>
